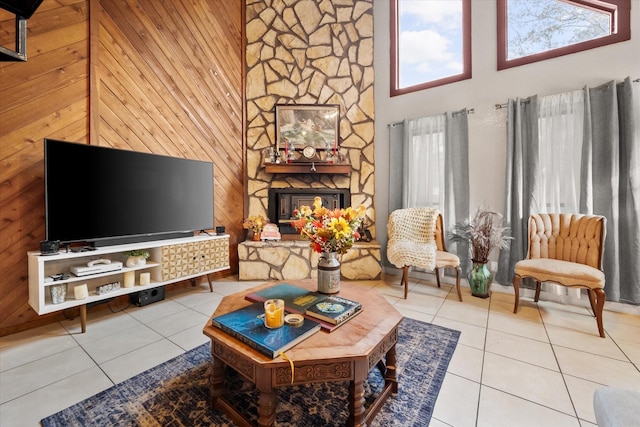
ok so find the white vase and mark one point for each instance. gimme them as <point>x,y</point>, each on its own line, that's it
<point>135,261</point>
<point>328,273</point>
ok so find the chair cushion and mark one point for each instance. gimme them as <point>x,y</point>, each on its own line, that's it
<point>562,272</point>
<point>446,259</point>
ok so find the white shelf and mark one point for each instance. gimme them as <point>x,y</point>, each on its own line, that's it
<point>170,261</point>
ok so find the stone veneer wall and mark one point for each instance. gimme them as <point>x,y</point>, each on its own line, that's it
<point>294,260</point>
<point>311,52</point>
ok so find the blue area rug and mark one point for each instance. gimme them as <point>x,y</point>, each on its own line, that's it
<point>176,393</point>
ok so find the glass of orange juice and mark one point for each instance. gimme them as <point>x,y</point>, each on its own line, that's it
<point>274,313</point>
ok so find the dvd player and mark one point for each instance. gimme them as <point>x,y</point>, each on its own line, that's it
<point>86,270</point>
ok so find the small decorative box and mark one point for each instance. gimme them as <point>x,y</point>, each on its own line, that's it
<point>109,287</point>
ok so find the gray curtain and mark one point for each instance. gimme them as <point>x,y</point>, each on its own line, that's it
<point>610,180</point>
<point>522,163</point>
<point>456,181</point>
<point>396,137</point>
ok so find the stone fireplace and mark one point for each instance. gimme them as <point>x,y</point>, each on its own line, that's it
<point>309,52</point>
<point>292,258</point>
<point>284,201</point>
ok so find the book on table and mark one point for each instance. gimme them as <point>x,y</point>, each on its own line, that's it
<point>302,301</point>
<point>334,309</point>
<point>247,325</point>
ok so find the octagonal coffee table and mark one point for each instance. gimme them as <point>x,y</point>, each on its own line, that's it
<point>347,353</point>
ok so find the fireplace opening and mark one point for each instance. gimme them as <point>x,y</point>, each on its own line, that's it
<point>283,201</point>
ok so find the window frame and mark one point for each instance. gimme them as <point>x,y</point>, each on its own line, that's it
<point>395,90</point>
<point>621,31</point>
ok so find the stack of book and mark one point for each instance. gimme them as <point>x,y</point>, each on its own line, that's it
<point>330,310</point>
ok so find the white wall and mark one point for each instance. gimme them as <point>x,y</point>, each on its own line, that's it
<point>487,87</point>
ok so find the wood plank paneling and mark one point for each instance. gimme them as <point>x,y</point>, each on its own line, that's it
<point>167,79</point>
<point>170,81</point>
<point>43,97</point>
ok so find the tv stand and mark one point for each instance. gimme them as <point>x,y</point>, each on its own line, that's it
<point>170,261</point>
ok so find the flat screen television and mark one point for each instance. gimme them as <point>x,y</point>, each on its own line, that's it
<point>23,8</point>
<point>104,196</point>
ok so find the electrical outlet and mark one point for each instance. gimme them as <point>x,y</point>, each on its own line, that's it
<point>494,265</point>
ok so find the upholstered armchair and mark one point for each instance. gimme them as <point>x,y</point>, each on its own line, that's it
<point>565,249</point>
<point>416,239</point>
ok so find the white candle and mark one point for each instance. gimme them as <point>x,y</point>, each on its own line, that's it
<point>129,279</point>
<point>145,279</point>
<point>81,291</point>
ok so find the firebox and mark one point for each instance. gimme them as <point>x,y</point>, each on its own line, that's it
<point>283,201</point>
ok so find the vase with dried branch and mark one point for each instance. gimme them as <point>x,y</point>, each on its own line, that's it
<point>483,233</point>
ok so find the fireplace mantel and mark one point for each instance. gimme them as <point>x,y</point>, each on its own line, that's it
<point>329,168</point>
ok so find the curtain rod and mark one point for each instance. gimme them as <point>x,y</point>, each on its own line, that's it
<point>466,110</point>
<point>500,106</point>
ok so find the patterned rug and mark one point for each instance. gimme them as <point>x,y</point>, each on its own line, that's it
<point>176,392</point>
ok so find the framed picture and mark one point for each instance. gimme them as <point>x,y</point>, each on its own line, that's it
<point>307,126</point>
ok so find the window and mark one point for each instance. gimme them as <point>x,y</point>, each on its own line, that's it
<point>430,43</point>
<point>424,162</point>
<point>535,30</point>
<point>560,134</point>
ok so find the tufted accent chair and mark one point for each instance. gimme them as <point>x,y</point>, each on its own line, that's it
<point>565,249</point>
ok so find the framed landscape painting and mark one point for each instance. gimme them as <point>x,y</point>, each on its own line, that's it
<point>307,126</point>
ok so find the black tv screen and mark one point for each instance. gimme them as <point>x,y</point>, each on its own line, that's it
<point>104,196</point>
<point>23,8</point>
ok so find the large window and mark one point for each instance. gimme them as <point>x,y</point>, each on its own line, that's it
<point>424,165</point>
<point>430,43</point>
<point>560,135</point>
<point>535,30</point>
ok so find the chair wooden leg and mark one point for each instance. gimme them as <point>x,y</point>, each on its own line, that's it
<point>600,297</point>
<point>405,280</point>
<point>438,276</point>
<point>516,289</point>
<point>458,283</point>
<point>592,300</point>
<point>538,286</point>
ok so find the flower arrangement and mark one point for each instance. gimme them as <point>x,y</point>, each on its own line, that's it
<point>329,230</point>
<point>255,223</point>
<point>483,233</point>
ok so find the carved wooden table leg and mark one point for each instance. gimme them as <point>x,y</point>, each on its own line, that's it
<point>356,403</point>
<point>390,375</point>
<point>266,408</point>
<point>216,380</point>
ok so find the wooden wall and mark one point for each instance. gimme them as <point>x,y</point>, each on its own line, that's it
<point>160,77</point>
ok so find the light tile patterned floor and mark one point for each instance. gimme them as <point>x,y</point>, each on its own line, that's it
<point>539,367</point>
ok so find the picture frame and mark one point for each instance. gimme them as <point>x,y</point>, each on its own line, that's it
<point>306,125</point>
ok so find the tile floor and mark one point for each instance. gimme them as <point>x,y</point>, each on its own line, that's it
<point>539,367</point>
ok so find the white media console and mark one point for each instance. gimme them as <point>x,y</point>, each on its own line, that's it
<point>170,261</point>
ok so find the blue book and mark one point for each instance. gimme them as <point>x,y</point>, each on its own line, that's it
<point>296,299</point>
<point>247,325</point>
